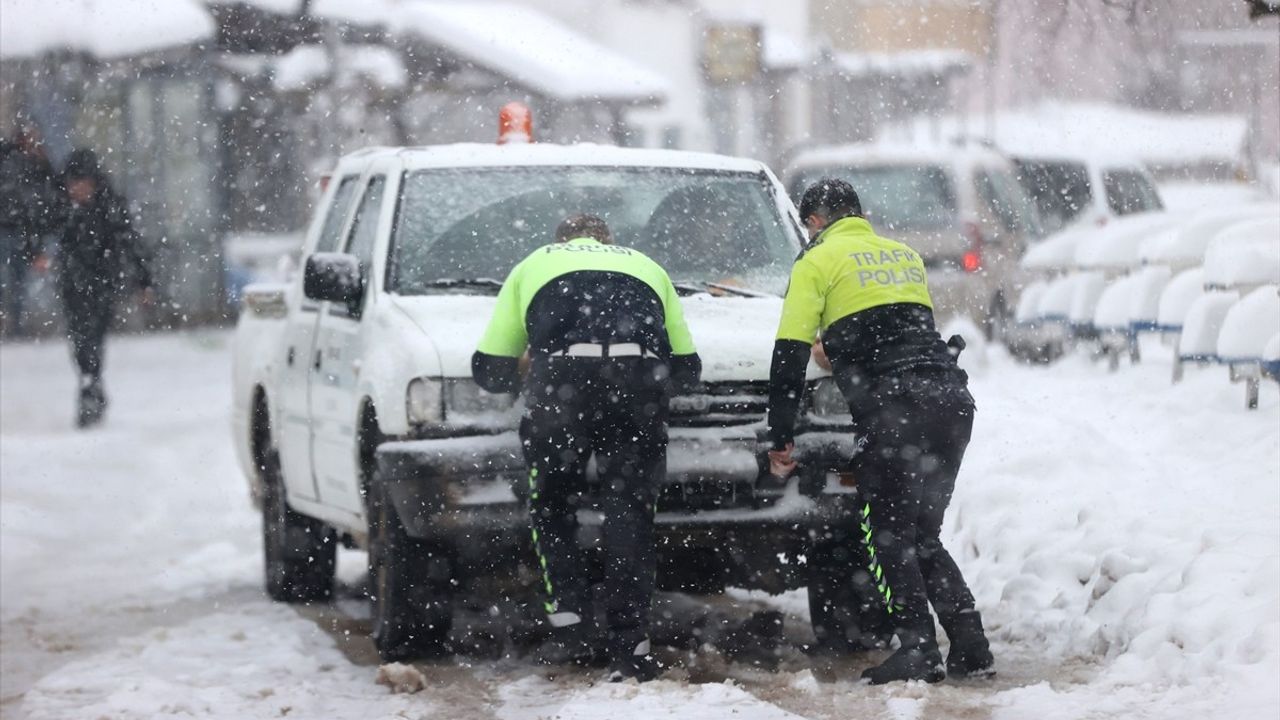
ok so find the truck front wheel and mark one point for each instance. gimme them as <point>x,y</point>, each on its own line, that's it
<point>409,586</point>
<point>299,552</point>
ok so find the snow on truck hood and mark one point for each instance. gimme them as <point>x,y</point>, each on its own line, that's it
<point>734,335</point>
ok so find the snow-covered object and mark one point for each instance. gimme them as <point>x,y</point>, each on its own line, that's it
<point>1115,245</point>
<point>1184,244</point>
<point>1101,130</point>
<point>1144,300</point>
<point>1271,357</point>
<point>102,28</point>
<point>1178,296</point>
<point>1029,301</point>
<point>1113,308</point>
<point>1056,252</point>
<point>1247,253</point>
<point>530,47</point>
<point>1200,330</point>
<point>1249,325</point>
<point>401,678</point>
<point>1086,290</point>
<point>1055,302</point>
<point>307,64</point>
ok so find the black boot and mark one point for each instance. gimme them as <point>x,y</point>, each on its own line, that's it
<point>93,402</point>
<point>632,661</point>
<point>578,644</point>
<point>970,653</point>
<point>917,659</point>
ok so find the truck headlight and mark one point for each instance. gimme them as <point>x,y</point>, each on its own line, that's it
<point>465,397</point>
<point>423,401</point>
<point>827,400</point>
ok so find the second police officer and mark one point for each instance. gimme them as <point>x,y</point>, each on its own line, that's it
<point>912,411</point>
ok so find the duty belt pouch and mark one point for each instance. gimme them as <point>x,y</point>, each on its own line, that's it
<point>955,346</point>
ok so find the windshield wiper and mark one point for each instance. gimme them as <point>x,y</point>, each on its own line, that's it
<point>464,283</point>
<point>703,286</point>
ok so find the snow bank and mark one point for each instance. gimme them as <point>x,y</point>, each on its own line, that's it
<point>102,28</point>
<point>1116,245</point>
<point>1082,521</point>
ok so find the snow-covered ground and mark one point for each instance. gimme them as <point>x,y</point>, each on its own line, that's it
<point>1122,536</point>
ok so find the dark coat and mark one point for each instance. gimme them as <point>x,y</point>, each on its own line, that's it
<point>29,194</point>
<point>98,242</point>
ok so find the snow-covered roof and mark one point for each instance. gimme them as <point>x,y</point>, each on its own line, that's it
<point>1098,130</point>
<point>587,154</point>
<point>904,63</point>
<point>889,152</point>
<point>306,64</point>
<point>516,42</point>
<point>105,29</point>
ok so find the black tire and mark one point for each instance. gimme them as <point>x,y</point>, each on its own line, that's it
<point>410,586</point>
<point>299,553</point>
<point>697,572</point>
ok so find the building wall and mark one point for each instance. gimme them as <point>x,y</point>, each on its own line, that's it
<point>883,26</point>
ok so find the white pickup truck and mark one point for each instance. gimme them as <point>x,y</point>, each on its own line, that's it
<point>356,419</point>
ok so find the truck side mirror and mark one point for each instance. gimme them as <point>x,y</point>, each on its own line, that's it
<point>334,277</point>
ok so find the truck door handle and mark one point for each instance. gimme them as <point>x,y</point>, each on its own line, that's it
<point>319,357</point>
<point>288,358</point>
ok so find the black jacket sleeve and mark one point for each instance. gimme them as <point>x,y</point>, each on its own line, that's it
<point>686,372</point>
<point>786,389</point>
<point>496,373</point>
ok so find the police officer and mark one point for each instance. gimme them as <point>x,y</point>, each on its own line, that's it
<point>869,298</point>
<point>606,339</point>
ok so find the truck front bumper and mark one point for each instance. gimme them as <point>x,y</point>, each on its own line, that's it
<point>715,499</point>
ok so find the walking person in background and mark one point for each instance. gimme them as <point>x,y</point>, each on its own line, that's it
<point>912,411</point>
<point>29,209</point>
<point>98,244</point>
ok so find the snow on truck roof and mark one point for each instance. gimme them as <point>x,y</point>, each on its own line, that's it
<point>462,155</point>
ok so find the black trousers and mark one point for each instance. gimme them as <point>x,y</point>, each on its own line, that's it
<point>917,429</point>
<point>615,410</point>
<point>87,322</point>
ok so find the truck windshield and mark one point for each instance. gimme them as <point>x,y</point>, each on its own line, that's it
<point>458,229</point>
<point>895,197</point>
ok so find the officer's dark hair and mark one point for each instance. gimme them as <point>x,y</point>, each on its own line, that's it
<point>831,198</point>
<point>583,225</point>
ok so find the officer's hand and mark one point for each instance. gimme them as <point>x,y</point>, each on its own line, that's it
<point>780,462</point>
<point>522,365</point>
<point>147,297</point>
<point>820,355</point>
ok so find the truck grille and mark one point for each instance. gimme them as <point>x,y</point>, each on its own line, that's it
<point>721,404</point>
